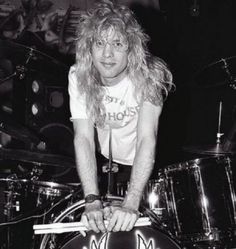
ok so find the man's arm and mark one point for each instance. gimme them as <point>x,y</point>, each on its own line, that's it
<point>87,168</point>
<point>124,218</point>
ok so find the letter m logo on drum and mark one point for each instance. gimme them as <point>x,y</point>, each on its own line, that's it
<point>102,244</point>
<point>141,242</point>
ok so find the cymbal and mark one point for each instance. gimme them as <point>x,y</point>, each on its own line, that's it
<point>11,127</point>
<point>31,58</point>
<point>217,73</point>
<point>37,157</point>
<point>216,149</point>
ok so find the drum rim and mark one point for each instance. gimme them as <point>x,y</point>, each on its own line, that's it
<point>196,161</point>
<point>50,184</point>
<point>14,180</point>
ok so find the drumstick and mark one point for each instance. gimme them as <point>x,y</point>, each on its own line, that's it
<point>77,226</point>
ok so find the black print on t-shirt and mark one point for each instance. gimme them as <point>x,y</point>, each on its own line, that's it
<point>110,99</point>
<point>118,116</point>
<point>129,111</point>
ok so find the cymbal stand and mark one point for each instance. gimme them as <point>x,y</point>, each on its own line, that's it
<point>110,169</point>
<point>11,195</point>
<point>20,70</point>
<point>219,134</point>
<point>12,205</point>
<point>232,80</point>
<point>8,78</point>
<point>36,172</point>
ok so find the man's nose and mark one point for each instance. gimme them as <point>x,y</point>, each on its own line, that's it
<point>108,50</point>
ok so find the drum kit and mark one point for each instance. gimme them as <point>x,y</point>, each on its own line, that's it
<point>191,204</point>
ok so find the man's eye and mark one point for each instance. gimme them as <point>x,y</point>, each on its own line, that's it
<point>99,43</point>
<point>118,44</point>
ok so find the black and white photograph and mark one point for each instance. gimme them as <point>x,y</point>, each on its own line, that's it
<point>117,124</point>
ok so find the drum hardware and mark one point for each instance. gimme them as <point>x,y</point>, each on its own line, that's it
<point>217,74</point>
<point>48,191</point>
<point>43,213</point>
<point>201,200</point>
<point>111,168</point>
<point>11,127</point>
<point>36,172</point>
<point>14,189</point>
<point>20,70</point>
<point>40,194</point>
<point>229,75</point>
<point>229,174</point>
<point>219,148</point>
<point>114,168</point>
<point>154,197</point>
<point>39,212</point>
<point>229,141</point>
<point>219,134</point>
<point>214,149</point>
<point>29,200</point>
<point>12,205</point>
<point>173,205</point>
<point>204,202</point>
<point>28,59</point>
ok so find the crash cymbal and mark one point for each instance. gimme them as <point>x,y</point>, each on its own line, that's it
<point>216,149</point>
<point>11,127</point>
<point>218,73</point>
<point>37,157</point>
<point>30,58</point>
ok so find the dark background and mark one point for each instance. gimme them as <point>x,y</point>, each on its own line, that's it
<point>192,36</point>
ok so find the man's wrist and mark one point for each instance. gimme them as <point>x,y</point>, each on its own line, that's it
<point>91,198</point>
<point>132,200</point>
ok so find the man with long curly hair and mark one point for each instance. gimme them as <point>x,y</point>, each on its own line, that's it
<point>117,89</point>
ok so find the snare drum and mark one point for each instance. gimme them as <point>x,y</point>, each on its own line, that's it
<point>48,191</point>
<point>147,237</point>
<point>201,199</point>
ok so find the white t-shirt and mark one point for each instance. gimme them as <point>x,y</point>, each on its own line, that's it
<point>121,116</point>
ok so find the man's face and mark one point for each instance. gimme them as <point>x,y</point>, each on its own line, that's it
<point>110,56</point>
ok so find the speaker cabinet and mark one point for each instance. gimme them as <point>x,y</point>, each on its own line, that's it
<point>46,109</point>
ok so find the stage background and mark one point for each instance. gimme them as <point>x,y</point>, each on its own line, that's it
<point>188,34</point>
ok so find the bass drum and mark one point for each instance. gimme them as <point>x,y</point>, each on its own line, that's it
<point>146,237</point>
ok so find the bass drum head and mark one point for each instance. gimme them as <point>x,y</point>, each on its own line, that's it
<point>143,237</point>
<point>139,238</point>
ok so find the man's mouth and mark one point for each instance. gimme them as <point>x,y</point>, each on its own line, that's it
<point>108,64</point>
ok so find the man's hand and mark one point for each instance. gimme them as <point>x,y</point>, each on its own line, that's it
<point>120,218</point>
<point>93,217</point>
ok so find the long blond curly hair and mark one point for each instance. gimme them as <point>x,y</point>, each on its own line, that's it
<point>149,74</point>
